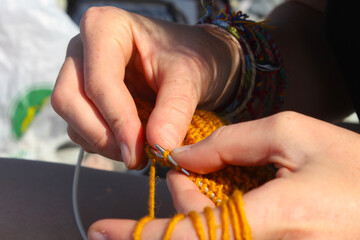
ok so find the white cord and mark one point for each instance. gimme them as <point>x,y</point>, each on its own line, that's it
<point>74,195</point>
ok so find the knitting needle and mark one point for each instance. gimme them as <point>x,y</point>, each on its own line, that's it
<point>156,153</point>
<point>162,150</point>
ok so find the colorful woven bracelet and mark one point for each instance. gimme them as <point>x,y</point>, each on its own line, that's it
<point>262,88</point>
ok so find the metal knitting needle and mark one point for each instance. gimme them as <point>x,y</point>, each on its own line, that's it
<point>162,150</point>
<point>157,153</point>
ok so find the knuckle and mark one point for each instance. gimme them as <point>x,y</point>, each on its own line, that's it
<point>220,133</point>
<point>181,106</point>
<point>59,100</point>
<point>99,143</point>
<point>289,115</point>
<point>74,136</point>
<point>55,101</point>
<point>93,90</point>
<point>93,144</point>
<point>93,14</point>
<point>116,123</point>
<point>74,46</point>
<point>96,17</point>
<point>196,83</point>
<point>74,40</point>
<point>284,120</point>
<point>87,17</point>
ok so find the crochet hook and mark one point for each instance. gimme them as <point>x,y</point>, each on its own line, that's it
<point>162,150</point>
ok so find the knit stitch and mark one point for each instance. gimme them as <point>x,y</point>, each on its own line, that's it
<point>218,186</point>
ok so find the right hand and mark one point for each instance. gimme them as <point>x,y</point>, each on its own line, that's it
<point>315,194</point>
<point>119,56</point>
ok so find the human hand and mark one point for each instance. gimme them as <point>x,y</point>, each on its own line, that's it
<point>315,194</point>
<point>119,56</point>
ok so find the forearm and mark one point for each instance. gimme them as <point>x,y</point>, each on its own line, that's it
<point>316,86</point>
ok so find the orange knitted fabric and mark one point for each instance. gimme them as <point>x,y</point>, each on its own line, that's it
<point>218,186</point>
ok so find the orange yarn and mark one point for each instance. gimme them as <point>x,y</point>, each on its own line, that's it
<point>234,219</point>
<point>172,224</point>
<point>152,189</point>
<point>225,222</point>
<point>245,228</point>
<point>196,220</point>
<point>210,219</point>
<point>139,227</point>
<point>218,186</point>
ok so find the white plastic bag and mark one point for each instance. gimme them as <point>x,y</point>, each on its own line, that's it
<point>33,38</point>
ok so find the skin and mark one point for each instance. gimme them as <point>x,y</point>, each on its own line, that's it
<point>297,204</point>
<point>178,66</point>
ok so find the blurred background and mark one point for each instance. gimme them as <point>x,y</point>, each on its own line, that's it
<point>33,38</point>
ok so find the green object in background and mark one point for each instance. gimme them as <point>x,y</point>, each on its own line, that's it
<point>27,107</point>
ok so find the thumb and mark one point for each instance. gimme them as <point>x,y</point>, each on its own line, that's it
<point>252,143</point>
<point>175,105</point>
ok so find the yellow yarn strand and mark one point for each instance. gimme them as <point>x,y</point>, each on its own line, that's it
<point>246,231</point>
<point>172,224</point>
<point>234,207</point>
<point>152,189</point>
<point>210,219</point>
<point>196,220</point>
<point>219,186</point>
<point>225,221</point>
<point>234,219</point>
<point>167,161</point>
<point>166,154</point>
<point>139,227</point>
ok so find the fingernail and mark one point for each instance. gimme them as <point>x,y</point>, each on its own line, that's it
<point>181,149</point>
<point>125,153</point>
<point>169,136</point>
<point>95,235</point>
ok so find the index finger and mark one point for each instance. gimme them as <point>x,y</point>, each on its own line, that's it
<point>105,59</point>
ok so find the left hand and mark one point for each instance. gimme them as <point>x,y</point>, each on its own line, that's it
<point>120,56</point>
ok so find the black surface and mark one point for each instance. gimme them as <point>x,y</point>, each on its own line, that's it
<point>35,199</point>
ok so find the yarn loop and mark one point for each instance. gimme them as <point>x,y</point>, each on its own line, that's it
<point>224,187</point>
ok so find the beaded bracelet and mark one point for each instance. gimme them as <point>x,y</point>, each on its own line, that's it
<point>262,85</point>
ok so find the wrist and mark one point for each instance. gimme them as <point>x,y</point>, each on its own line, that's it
<point>226,68</point>
<point>263,79</point>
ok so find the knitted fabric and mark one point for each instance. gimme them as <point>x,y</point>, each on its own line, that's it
<point>220,185</point>
<point>260,93</point>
